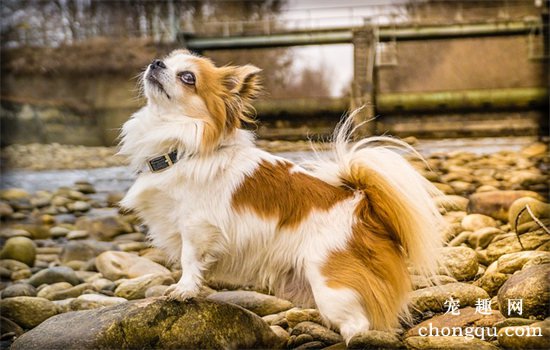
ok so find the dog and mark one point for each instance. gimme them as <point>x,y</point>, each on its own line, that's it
<point>340,234</point>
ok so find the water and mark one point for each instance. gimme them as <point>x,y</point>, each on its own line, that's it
<point>120,178</point>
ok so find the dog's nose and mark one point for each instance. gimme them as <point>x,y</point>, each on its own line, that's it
<point>157,64</point>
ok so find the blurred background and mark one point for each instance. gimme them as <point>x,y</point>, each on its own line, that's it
<point>428,68</point>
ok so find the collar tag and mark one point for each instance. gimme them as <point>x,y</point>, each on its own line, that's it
<point>162,162</point>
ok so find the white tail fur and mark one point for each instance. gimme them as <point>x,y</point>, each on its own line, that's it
<point>399,194</point>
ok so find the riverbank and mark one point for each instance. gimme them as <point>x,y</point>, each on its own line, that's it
<point>69,248</point>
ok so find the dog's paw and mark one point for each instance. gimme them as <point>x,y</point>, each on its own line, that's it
<point>181,293</point>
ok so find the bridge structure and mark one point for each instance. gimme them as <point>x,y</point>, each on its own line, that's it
<point>365,36</point>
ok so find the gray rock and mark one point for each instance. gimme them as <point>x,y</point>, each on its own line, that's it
<point>153,323</point>
<point>19,290</point>
<point>59,231</point>
<point>447,343</point>
<point>47,290</point>
<point>531,286</point>
<point>19,248</point>
<point>260,304</point>
<point>135,288</point>
<point>458,262</point>
<point>155,291</point>
<point>318,332</point>
<point>117,265</point>
<point>433,298</point>
<point>54,275</point>
<point>28,312</point>
<point>71,292</point>
<point>375,340</point>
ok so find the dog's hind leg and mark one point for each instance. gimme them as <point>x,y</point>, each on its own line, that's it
<point>340,307</point>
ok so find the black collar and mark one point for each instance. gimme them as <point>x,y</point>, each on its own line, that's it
<point>163,162</point>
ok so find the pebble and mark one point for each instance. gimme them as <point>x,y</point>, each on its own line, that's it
<point>459,263</point>
<point>13,232</point>
<point>135,288</point>
<point>318,332</point>
<point>94,301</point>
<point>375,339</point>
<point>19,290</point>
<point>443,342</point>
<point>28,312</point>
<point>433,298</point>
<point>19,248</point>
<point>53,275</point>
<point>116,265</point>
<point>295,316</point>
<point>474,222</point>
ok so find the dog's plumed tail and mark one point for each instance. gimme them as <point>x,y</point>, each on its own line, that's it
<point>396,221</point>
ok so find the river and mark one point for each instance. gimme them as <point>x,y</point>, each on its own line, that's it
<point>120,178</point>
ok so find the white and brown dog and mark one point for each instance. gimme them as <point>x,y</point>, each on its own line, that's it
<point>338,236</point>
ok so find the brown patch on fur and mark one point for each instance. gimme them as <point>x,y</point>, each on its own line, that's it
<point>374,262</point>
<point>228,93</point>
<point>374,267</point>
<point>274,192</point>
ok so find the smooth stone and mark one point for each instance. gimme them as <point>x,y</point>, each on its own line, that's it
<point>483,237</point>
<point>497,203</point>
<point>135,288</point>
<point>433,298</point>
<point>21,249</point>
<point>281,333</point>
<point>318,332</point>
<point>6,210</point>
<point>300,340</point>
<point>510,263</point>
<point>116,265</point>
<point>54,275</point>
<point>458,262</point>
<point>517,341</point>
<point>13,265</point>
<point>103,284</point>
<point>530,285</point>
<point>452,202</point>
<point>79,206</point>
<point>258,303</point>
<point>468,317</point>
<point>77,234</point>
<point>71,292</point>
<point>153,323</point>
<point>21,274</point>
<point>295,316</point>
<point>155,291</point>
<point>460,239</point>
<point>535,149</point>
<point>313,345</point>
<point>104,228</point>
<point>375,340</point>
<point>19,290</point>
<point>94,301</point>
<point>59,231</point>
<point>11,194</point>
<point>49,289</point>
<point>13,232</point>
<point>509,243</point>
<point>277,319</point>
<point>539,209</point>
<point>447,343</point>
<point>474,222</point>
<point>28,312</point>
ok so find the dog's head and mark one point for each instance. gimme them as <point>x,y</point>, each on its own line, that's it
<point>191,86</point>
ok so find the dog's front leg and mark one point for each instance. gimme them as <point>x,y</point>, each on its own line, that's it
<point>195,239</point>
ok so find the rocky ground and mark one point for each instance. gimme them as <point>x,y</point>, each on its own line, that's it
<point>38,156</point>
<point>70,250</point>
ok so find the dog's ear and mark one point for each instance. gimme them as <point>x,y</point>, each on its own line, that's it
<point>243,81</point>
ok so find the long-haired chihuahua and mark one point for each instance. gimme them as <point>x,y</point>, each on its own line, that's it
<point>339,234</point>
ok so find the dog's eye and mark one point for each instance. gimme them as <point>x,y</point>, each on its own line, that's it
<point>187,77</point>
